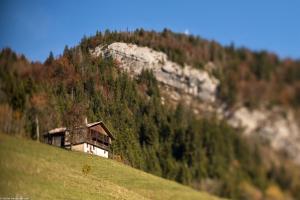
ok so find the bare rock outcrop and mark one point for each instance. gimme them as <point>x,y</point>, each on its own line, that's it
<point>278,127</point>
<point>134,59</point>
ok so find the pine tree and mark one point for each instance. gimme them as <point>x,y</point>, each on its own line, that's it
<point>50,59</point>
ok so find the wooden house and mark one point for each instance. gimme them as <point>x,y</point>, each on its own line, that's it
<point>93,138</point>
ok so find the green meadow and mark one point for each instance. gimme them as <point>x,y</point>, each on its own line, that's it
<point>38,171</point>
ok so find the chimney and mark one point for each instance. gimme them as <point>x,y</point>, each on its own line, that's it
<point>85,121</point>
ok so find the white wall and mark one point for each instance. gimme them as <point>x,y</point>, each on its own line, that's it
<point>88,148</point>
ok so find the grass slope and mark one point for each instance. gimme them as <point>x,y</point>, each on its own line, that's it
<point>39,171</point>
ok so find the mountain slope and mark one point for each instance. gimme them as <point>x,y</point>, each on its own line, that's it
<point>154,132</point>
<point>198,88</point>
<point>39,171</point>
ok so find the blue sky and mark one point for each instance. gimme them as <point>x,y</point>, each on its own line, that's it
<point>36,27</point>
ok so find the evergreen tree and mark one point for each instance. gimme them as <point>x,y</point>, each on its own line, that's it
<point>50,59</point>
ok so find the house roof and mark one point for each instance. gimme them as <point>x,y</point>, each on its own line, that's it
<point>57,130</point>
<point>89,125</point>
<point>93,124</point>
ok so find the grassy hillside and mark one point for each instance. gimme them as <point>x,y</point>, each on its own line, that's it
<point>40,171</point>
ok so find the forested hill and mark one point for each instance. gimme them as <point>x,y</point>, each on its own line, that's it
<point>203,152</point>
<point>243,72</point>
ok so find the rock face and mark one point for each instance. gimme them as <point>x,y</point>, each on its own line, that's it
<point>134,59</point>
<point>278,127</point>
<point>280,131</point>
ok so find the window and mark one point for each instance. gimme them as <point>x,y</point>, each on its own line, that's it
<point>57,141</point>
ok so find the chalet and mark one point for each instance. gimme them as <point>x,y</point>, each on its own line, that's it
<point>93,138</point>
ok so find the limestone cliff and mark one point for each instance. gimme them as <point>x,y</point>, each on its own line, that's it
<point>277,127</point>
<point>134,59</point>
